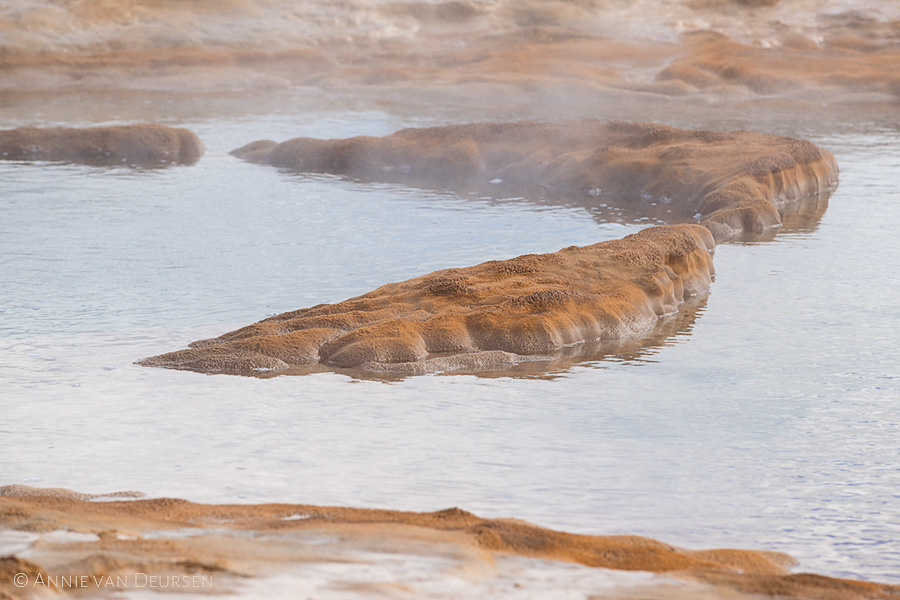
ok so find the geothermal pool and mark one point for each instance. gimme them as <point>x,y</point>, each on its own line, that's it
<point>766,418</point>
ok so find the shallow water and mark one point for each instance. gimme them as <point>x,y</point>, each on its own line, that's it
<point>770,421</point>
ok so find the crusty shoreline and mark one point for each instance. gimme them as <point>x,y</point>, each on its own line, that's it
<point>127,540</point>
<point>479,318</point>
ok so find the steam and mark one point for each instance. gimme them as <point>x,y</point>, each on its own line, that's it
<point>545,51</point>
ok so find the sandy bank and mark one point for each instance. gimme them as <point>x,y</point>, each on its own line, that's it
<point>478,318</point>
<point>733,182</point>
<point>144,144</point>
<point>229,543</point>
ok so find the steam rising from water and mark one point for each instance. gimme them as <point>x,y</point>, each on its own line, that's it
<point>555,45</point>
<point>79,26</point>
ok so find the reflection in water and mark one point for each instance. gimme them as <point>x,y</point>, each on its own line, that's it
<point>798,216</point>
<point>801,215</point>
<point>642,210</point>
<point>668,331</point>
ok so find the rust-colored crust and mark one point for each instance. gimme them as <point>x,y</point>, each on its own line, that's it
<point>478,318</point>
<point>124,546</point>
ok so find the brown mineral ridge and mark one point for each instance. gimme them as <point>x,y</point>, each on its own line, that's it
<point>478,318</point>
<point>238,541</point>
<point>799,67</point>
<point>733,182</point>
<point>143,144</point>
<point>537,51</point>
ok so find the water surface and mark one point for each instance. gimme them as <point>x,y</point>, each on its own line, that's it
<point>769,421</point>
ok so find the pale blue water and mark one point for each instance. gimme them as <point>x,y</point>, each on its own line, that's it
<point>770,422</point>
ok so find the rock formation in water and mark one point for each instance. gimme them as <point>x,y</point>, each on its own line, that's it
<point>143,144</point>
<point>234,542</point>
<point>478,318</point>
<point>500,313</point>
<point>732,182</point>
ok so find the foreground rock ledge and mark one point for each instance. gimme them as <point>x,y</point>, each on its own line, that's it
<point>479,318</point>
<point>233,542</point>
<point>732,182</point>
<point>145,144</point>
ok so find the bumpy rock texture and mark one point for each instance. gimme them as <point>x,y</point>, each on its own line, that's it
<point>143,144</point>
<point>478,318</point>
<point>232,541</point>
<point>733,182</point>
